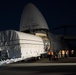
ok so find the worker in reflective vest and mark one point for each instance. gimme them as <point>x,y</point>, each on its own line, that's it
<point>50,55</point>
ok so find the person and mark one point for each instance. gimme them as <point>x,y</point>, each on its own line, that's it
<point>63,53</point>
<point>72,53</point>
<point>67,53</point>
<point>50,55</point>
<point>59,54</point>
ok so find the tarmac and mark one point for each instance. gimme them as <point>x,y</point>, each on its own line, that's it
<point>63,66</point>
<point>61,60</point>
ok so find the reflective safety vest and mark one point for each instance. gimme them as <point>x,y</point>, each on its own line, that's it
<point>52,53</point>
<point>49,53</point>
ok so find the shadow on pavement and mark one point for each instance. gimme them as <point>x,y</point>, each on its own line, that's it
<point>46,69</point>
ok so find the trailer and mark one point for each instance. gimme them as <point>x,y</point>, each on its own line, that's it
<point>16,46</point>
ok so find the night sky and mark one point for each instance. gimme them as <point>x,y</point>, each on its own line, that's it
<point>56,13</point>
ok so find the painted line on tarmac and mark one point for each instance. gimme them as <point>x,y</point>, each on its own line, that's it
<point>41,64</point>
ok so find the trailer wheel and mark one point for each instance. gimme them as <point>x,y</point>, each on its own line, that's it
<point>39,58</point>
<point>42,56</point>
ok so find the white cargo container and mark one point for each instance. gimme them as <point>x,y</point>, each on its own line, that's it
<point>15,44</point>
